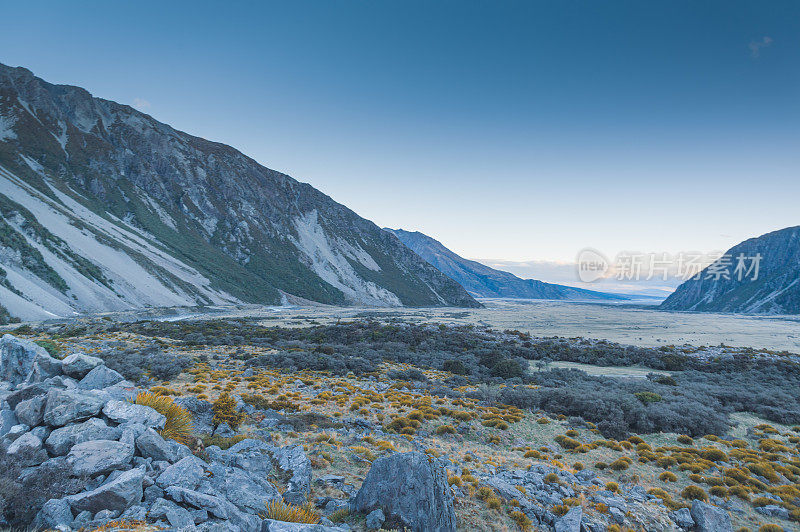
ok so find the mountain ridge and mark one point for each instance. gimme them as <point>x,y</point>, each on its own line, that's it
<point>230,229</point>
<point>483,281</point>
<point>776,290</point>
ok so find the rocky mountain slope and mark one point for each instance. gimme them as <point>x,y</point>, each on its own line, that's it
<point>482,281</point>
<point>721,288</point>
<point>104,208</point>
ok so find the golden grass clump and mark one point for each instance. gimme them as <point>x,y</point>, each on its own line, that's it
<point>693,492</point>
<point>521,519</point>
<point>281,511</point>
<point>225,411</point>
<point>178,425</point>
<point>445,429</point>
<point>668,476</point>
<point>686,440</point>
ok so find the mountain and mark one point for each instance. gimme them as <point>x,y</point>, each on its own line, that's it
<point>482,281</point>
<point>104,208</point>
<point>775,290</point>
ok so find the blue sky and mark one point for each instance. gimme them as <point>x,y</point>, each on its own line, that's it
<point>515,131</point>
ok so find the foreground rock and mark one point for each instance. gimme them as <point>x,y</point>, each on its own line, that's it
<point>710,518</point>
<point>412,491</point>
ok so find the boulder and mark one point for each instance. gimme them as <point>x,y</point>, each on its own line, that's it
<point>125,412</point>
<point>271,525</point>
<point>246,492</point>
<point>117,494</point>
<point>213,505</point>
<point>411,489</point>
<point>571,521</point>
<point>27,392</point>
<point>185,473</point>
<point>54,512</point>
<point>61,440</point>
<point>100,377</point>
<point>201,412</point>
<point>28,449</point>
<point>77,365</point>
<point>151,445</point>
<point>22,361</point>
<point>30,411</point>
<point>682,518</point>
<point>708,518</point>
<point>293,459</point>
<point>375,519</point>
<point>66,406</point>
<point>98,457</point>
<point>7,420</point>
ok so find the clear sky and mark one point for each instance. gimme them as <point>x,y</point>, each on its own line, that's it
<point>513,131</point>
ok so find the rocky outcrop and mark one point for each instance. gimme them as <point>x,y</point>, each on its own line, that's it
<point>412,491</point>
<point>117,463</point>
<point>708,518</point>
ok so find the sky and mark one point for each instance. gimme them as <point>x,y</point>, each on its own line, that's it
<point>513,132</point>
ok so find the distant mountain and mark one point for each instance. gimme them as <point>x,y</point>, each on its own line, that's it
<point>104,208</point>
<point>776,290</point>
<point>482,281</point>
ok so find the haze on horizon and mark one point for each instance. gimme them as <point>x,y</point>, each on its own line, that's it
<point>514,132</point>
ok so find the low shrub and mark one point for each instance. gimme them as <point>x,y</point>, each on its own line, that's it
<point>693,492</point>
<point>179,423</point>
<point>281,511</point>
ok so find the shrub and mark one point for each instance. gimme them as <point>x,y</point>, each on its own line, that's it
<point>560,509</point>
<point>619,464</point>
<point>567,442</point>
<point>551,478</point>
<point>714,455</point>
<point>601,465</point>
<point>494,503</point>
<point>612,487</point>
<point>178,425</point>
<point>222,442</point>
<point>445,429</point>
<point>693,492</point>
<point>668,476</point>
<point>52,348</point>
<point>521,519</point>
<point>281,511</point>
<point>647,397</point>
<point>718,491</point>
<point>770,528</point>
<point>455,366</point>
<point>484,492</point>
<point>225,411</point>
<point>686,440</point>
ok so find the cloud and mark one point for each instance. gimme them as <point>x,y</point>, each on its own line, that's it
<point>756,46</point>
<point>141,104</point>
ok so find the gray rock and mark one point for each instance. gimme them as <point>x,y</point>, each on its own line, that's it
<point>30,411</point>
<point>293,459</point>
<point>104,516</point>
<point>682,518</point>
<point>61,440</point>
<point>136,512</point>
<point>709,518</point>
<point>7,420</point>
<point>99,457</point>
<point>77,365</point>
<point>123,412</point>
<point>82,519</point>
<point>247,493</point>
<point>773,510</point>
<point>185,473</point>
<point>99,378</point>
<point>409,488</point>
<point>375,519</point>
<point>16,431</point>
<point>180,518</point>
<point>27,392</point>
<point>53,513</point>
<point>201,411</point>
<point>151,445</point>
<point>66,406</point>
<point>270,525</point>
<point>160,508</point>
<point>118,494</point>
<point>213,505</point>
<point>24,362</point>
<point>571,521</point>
<point>224,430</point>
<point>617,514</point>
<point>28,449</point>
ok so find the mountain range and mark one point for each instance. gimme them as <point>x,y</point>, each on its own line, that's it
<point>104,208</point>
<point>768,281</point>
<point>482,281</point>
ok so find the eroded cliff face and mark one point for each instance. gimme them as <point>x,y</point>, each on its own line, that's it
<point>103,207</point>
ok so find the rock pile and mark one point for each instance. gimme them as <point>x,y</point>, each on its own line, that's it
<point>71,424</point>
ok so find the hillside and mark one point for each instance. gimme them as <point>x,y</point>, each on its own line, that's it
<point>105,208</point>
<point>482,281</point>
<point>776,290</point>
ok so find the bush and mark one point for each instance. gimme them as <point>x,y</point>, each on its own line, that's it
<point>668,476</point>
<point>692,493</point>
<point>455,366</point>
<point>281,511</point>
<point>225,411</point>
<point>445,429</point>
<point>179,425</point>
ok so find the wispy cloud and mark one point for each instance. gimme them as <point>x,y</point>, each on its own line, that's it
<point>757,46</point>
<point>141,104</point>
